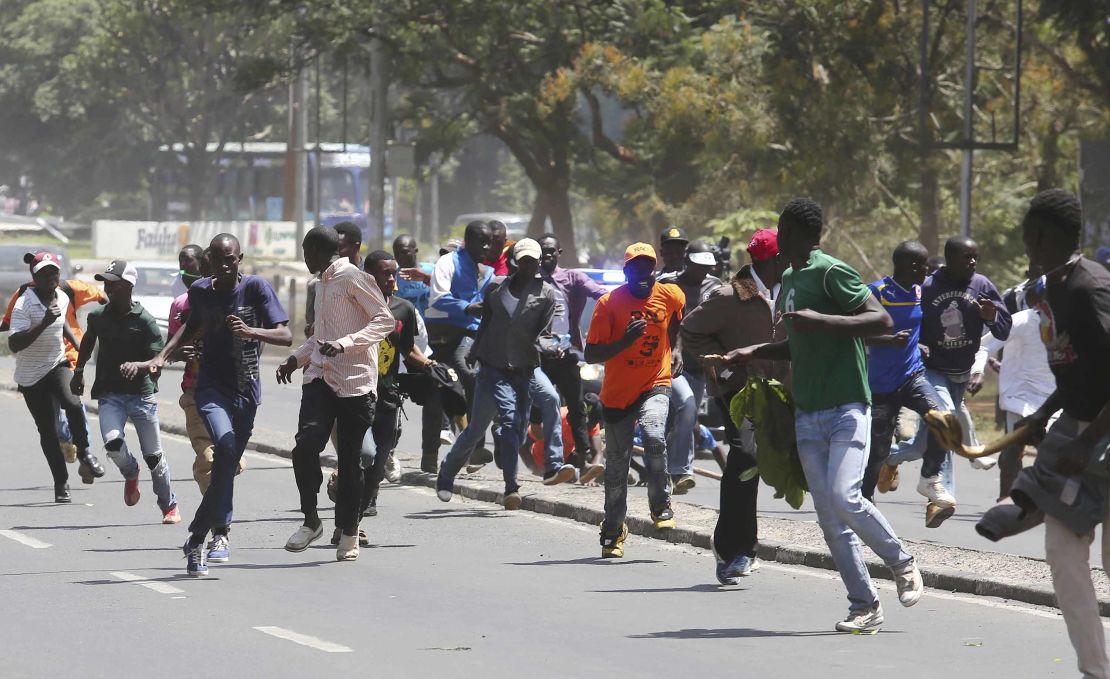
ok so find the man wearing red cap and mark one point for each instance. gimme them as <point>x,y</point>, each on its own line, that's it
<point>42,371</point>
<point>633,332</point>
<point>737,315</point>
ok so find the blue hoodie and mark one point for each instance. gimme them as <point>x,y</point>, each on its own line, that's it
<point>951,326</point>
<point>456,284</point>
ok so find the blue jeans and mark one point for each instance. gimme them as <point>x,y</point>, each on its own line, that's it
<point>916,394</point>
<point>652,416</point>
<point>498,395</point>
<point>64,434</point>
<point>546,399</point>
<point>832,445</point>
<point>936,460</point>
<point>229,419</point>
<point>680,434</point>
<point>115,410</point>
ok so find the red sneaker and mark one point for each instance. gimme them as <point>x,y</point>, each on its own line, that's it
<point>171,515</point>
<point>130,492</point>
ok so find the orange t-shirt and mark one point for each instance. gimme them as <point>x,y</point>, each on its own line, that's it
<point>83,293</point>
<point>647,363</point>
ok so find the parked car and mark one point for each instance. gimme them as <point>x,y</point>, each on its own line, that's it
<point>155,290</point>
<point>14,271</point>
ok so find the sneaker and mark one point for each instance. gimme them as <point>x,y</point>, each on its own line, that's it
<point>664,520</point>
<point>513,500</point>
<point>988,462</point>
<point>130,492</point>
<point>910,587</point>
<point>363,539</point>
<point>566,473</point>
<point>888,478</point>
<point>333,486</point>
<point>742,566</point>
<point>69,452</point>
<point>347,549</point>
<point>613,548</point>
<point>197,566</point>
<point>932,488</point>
<point>303,537</point>
<point>591,473</point>
<point>682,483</point>
<point>372,510</point>
<point>865,620</point>
<point>90,468</point>
<point>723,575</point>
<point>936,515</point>
<point>392,469</point>
<point>171,516</point>
<point>219,550</point>
<point>444,495</point>
<point>429,464</point>
<point>446,437</point>
<point>478,459</point>
<point>61,494</point>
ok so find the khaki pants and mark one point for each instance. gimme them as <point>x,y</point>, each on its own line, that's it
<point>200,440</point>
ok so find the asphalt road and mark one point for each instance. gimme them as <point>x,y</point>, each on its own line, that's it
<point>97,589</point>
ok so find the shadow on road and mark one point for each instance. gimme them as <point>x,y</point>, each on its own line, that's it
<point>584,561</point>
<point>457,514</point>
<point>701,587</point>
<point>734,633</point>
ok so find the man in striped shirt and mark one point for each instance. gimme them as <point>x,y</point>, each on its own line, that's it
<point>340,382</point>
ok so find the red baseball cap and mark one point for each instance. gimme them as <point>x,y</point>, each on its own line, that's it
<point>764,245</point>
<point>41,260</point>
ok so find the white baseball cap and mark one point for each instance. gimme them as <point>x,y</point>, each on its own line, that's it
<point>119,270</point>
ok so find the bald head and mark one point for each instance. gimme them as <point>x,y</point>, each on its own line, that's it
<point>961,256</point>
<point>224,255</point>
<point>405,250</point>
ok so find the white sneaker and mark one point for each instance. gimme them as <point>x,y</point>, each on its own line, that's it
<point>392,469</point>
<point>864,620</point>
<point>910,586</point>
<point>932,488</point>
<point>303,537</point>
<point>444,495</point>
<point>446,437</point>
<point>348,548</point>
<point>987,462</point>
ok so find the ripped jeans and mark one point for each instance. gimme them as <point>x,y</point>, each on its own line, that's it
<point>651,413</point>
<point>115,410</point>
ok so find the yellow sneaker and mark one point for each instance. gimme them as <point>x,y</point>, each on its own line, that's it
<point>613,548</point>
<point>664,520</point>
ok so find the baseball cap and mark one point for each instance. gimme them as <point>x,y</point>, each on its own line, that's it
<point>639,250</point>
<point>764,245</point>
<point>526,247</point>
<point>119,270</point>
<point>703,258</point>
<point>40,260</point>
<point>673,233</point>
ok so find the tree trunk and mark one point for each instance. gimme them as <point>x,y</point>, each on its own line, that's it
<point>554,202</point>
<point>930,206</point>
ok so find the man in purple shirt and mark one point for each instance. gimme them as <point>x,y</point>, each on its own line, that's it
<point>956,304</point>
<point>572,289</point>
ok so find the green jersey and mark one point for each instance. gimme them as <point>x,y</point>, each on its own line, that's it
<point>829,370</point>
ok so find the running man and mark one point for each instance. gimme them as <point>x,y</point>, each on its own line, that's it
<point>828,310</point>
<point>339,387</point>
<point>43,373</point>
<point>633,332</point>
<point>128,336</point>
<point>234,316</point>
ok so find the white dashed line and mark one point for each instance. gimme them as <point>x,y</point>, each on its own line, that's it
<point>304,640</point>
<point>160,587</point>
<point>25,539</point>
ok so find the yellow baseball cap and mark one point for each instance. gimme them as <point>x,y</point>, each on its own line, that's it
<point>639,250</point>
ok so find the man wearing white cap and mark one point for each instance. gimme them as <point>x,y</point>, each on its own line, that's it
<point>124,389</point>
<point>514,315</point>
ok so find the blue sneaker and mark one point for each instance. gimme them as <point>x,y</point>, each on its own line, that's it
<point>742,566</point>
<point>197,567</point>
<point>219,551</point>
<point>723,575</point>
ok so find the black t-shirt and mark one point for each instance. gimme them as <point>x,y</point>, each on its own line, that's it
<point>1075,328</point>
<point>395,347</point>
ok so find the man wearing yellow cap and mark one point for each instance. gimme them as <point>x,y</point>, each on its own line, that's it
<point>633,332</point>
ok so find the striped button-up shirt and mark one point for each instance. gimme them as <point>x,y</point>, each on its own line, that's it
<point>350,310</point>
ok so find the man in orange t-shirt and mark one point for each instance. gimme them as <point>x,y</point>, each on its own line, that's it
<point>633,331</point>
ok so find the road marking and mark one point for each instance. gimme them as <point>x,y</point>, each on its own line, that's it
<point>160,587</point>
<point>25,539</point>
<point>304,640</point>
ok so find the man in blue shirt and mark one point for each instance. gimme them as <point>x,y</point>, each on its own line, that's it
<point>895,371</point>
<point>412,283</point>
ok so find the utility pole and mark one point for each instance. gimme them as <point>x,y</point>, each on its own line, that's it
<point>969,104</point>
<point>379,114</point>
<point>298,138</point>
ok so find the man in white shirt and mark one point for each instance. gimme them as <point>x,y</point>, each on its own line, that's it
<point>340,383</point>
<point>1024,379</point>
<point>42,371</point>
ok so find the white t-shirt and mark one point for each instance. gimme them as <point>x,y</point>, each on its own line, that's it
<point>1025,381</point>
<point>41,356</point>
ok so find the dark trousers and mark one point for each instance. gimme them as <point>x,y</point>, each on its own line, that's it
<point>322,409</point>
<point>452,354</point>
<point>737,530</point>
<point>916,394</point>
<point>563,373</point>
<point>41,399</point>
<point>376,448</point>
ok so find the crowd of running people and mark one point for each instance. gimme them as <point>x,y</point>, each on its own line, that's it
<point>490,344</point>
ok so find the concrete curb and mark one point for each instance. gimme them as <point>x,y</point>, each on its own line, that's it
<point>779,552</point>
